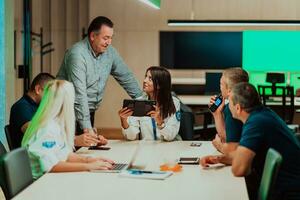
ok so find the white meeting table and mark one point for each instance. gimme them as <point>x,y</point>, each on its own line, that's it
<point>192,182</point>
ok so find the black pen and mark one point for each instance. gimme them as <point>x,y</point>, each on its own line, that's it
<point>134,171</point>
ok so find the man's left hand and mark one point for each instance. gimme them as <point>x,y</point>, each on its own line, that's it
<point>217,143</point>
<point>209,160</point>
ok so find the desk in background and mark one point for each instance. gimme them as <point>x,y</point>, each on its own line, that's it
<point>192,183</point>
<point>203,100</point>
<point>195,100</point>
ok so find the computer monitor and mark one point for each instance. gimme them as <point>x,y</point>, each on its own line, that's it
<point>275,78</point>
<point>200,49</point>
<point>212,83</point>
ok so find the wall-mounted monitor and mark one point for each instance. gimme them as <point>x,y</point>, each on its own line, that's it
<point>200,50</point>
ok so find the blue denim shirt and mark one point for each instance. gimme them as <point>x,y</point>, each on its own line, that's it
<point>89,74</point>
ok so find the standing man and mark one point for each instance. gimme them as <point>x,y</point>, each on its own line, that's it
<point>262,129</point>
<point>88,64</point>
<point>228,129</point>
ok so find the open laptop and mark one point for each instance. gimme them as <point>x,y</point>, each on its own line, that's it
<point>118,167</point>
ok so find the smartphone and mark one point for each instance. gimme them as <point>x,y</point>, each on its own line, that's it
<point>218,102</point>
<point>195,144</point>
<point>99,148</point>
<point>188,161</point>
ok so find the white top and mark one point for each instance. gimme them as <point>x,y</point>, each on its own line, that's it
<point>145,126</point>
<point>47,148</point>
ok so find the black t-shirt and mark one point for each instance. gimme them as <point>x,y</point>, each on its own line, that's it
<point>263,130</point>
<point>233,126</point>
<point>21,112</point>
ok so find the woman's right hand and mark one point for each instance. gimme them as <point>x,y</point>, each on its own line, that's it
<point>99,165</point>
<point>124,113</point>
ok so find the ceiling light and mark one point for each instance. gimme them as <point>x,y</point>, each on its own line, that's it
<point>234,22</point>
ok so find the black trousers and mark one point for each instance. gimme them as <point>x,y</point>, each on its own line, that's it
<point>252,182</point>
<point>79,130</point>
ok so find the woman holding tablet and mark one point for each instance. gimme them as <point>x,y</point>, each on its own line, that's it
<point>49,138</point>
<point>163,122</point>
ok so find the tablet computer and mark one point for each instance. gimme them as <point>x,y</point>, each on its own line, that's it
<point>140,107</point>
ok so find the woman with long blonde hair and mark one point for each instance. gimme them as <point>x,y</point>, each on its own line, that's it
<point>49,138</point>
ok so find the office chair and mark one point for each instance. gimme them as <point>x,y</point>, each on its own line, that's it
<point>207,129</point>
<point>271,168</point>
<point>8,137</point>
<point>187,120</point>
<point>281,100</point>
<point>15,172</point>
<point>2,149</point>
<point>275,78</point>
<point>297,136</point>
<point>291,195</point>
<point>189,130</point>
<point>186,129</point>
<point>283,96</point>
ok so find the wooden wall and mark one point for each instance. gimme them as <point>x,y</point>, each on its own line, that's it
<point>136,34</point>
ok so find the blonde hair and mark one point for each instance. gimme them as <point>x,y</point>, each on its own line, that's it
<point>57,104</point>
<point>235,75</point>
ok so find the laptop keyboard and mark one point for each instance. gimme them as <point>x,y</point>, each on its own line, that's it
<point>118,166</point>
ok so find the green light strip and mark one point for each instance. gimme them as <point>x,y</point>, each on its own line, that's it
<point>153,3</point>
<point>2,70</point>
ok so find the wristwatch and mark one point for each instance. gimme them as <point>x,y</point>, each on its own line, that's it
<point>161,126</point>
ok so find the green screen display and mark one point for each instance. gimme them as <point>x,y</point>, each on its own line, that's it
<point>272,51</point>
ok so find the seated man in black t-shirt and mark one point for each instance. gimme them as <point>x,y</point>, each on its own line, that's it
<point>23,110</point>
<point>262,129</point>
<point>228,129</point>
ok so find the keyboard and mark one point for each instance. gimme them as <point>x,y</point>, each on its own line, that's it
<point>119,166</point>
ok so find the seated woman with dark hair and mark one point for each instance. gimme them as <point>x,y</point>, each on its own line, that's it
<point>163,122</point>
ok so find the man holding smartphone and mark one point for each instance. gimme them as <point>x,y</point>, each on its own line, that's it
<point>262,129</point>
<point>228,129</point>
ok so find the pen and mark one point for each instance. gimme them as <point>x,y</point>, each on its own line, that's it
<point>133,171</point>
